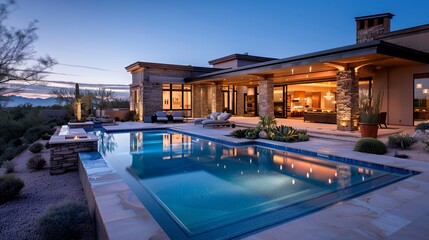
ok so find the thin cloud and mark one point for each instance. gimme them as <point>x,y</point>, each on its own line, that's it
<point>87,67</point>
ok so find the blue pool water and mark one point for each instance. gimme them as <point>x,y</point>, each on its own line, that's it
<point>200,189</point>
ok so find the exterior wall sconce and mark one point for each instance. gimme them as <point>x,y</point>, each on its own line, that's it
<point>419,85</point>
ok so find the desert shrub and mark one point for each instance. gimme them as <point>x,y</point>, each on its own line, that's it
<point>426,145</point>
<point>34,133</point>
<point>36,148</point>
<point>64,221</point>
<point>17,142</point>
<point>252,133</point>
<point>422,126</point>
<point>10,186</point>
<point>9,166</point>
<point>130,116</point>
<point>402,141</point>
<point>239,133</point>
<point>370,145</point>
<point>36,162</point>
<point>11,152</point>
<point>46,136</point>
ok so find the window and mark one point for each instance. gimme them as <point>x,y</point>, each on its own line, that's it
<point>421,98</point>
<point>177,97</point>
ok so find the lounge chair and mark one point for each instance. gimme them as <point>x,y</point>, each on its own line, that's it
<point>222,120</point>
<point>178,116</point>
<point>161,116</point>
<point>212,116</point>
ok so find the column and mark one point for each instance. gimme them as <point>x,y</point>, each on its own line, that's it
<point>205,109</point>
<point>132,97</point>
<point>347,100</point>
<point>196,101</point>
<point>216,104</point>
<point>266,98</point>
<point>151,98</point>
<point>240,100</point>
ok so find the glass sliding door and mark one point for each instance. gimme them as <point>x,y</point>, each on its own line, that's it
<point>421,98</point>
<point>279,102</point>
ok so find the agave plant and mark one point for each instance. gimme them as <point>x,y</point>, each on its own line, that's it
<point>289,134</point>
<point>239,133</point>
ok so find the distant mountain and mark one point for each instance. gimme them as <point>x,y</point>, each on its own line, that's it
<point>17,100</point>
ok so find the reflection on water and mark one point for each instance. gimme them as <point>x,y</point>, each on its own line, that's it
<point>160,154</point>
<point>106,142</point>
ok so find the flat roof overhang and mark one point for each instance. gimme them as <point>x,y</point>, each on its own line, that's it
<point>319,65</point>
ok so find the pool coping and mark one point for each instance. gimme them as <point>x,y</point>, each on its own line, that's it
<point>109,229</point>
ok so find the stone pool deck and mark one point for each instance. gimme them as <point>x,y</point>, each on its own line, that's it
<point>397,211</point>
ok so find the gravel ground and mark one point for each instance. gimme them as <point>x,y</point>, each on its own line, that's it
<point>17,217</point>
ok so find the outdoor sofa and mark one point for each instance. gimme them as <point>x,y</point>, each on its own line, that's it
<point>177,116</point>
<point>161,116</point>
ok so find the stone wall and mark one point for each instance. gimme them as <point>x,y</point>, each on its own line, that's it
<point>196,100</point>
<point>240,100</point>
<point>216,101</point>
<point>368,34</point>
<point>266,98</point>
<point>64,156</point>
<point>152,98</point>
<point>347,100</point>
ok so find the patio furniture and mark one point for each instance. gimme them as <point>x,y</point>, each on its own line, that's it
<point>382,119</point>
<point>178,116</point>
<point>221,121</point>
<point>211,116</point>
<point>161,116</point>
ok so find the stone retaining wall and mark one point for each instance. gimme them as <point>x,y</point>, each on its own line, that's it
<point>64,156</point>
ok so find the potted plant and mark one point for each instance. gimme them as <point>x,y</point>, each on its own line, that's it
<point>369,111</point>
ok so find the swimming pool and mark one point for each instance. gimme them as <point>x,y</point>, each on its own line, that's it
<point>199,189</point>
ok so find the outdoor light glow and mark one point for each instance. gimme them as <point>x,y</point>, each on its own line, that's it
<point>308,175</point>
<point>281,167</point>
<point>310,69</point>
<point>426,91</point>
<point>329,181</point>
<point>419,85</point>
<point>293,181</point>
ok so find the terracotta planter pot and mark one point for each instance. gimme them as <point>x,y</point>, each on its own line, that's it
<point>368,129</point>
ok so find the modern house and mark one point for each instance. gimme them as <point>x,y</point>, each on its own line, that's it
<point>322,86</point>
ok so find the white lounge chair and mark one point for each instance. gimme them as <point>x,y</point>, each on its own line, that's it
<point>222,120</point>
<point>212,116</point>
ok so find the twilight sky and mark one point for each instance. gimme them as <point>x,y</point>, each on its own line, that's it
<point>93,40</point>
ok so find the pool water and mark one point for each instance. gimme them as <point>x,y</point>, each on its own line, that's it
<point>201,189</point>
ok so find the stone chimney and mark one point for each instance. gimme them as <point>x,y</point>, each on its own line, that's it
<point>367,27</point>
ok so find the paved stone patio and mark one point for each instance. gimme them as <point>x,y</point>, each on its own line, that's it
<point>398,211</point>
